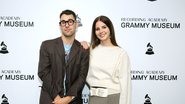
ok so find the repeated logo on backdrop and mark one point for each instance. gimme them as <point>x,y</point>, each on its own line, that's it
<point>3,48</point>
<point>15,21</point>
<point>7,73</point>
<point>152,23</point>
<point>79,21</point>
<point>153,72</point>
<point>4,99</point>
<point>85,98</point>
<point>147,99</point>
<point>149,49</point>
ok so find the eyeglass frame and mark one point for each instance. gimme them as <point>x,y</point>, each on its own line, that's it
<point>68,22</point>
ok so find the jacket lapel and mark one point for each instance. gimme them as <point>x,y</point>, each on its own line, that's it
<point>61,51</point>
<point>74,50</point>
<point>60,47</point>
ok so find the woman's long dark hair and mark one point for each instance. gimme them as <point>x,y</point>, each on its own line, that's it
<point>94,40</point>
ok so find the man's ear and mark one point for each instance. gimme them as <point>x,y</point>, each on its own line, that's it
<point>77,25</point>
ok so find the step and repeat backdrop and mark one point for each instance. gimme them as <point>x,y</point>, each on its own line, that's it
<point>152,32</point>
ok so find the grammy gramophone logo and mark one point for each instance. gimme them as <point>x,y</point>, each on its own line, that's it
<point>78,20</point>
<point>149,49</point>
<point>147,99</point>
<point>3,48</point>
<point>4,99</point>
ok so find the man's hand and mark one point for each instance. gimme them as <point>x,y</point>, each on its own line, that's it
<point>64,100</point>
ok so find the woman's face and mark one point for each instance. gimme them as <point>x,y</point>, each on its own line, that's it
<point>102,31</point>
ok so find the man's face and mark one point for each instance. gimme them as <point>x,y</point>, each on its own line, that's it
<point>68,25</point>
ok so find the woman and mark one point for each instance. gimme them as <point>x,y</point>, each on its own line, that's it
<point>109,71</point>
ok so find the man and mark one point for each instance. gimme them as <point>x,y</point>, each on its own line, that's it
<point>63,65</point>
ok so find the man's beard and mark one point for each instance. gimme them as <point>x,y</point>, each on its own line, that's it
<point>68,36</point>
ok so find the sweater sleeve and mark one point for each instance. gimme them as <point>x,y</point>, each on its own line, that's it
<point>125,78</point>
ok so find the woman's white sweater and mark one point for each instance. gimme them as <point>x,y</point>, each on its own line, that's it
<point>110,67</point>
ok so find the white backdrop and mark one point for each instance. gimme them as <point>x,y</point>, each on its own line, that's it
<point>24,24</point>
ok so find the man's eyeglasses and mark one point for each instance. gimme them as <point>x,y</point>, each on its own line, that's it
<point>70,22</point>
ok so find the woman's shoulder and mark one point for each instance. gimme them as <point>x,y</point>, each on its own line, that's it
<point>120,49</point>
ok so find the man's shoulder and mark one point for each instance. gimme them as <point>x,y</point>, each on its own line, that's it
<point>50,41</point>
<point>78,44</point>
